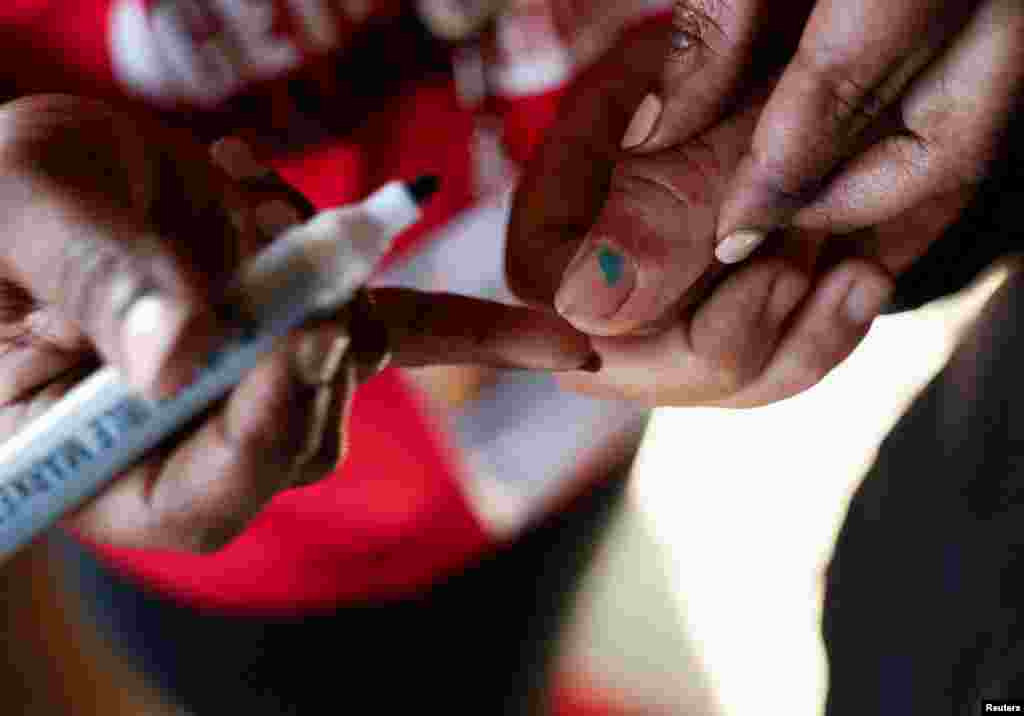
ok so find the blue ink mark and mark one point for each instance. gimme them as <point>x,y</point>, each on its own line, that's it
<point>612,265</point>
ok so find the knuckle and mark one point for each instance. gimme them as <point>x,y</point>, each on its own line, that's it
<point>847,99</point>
<point>638,181</point>
<point>954,163</point>
<point>781,177</point>
<point>704,156</point>
<point>697,164</point>
<point>696,24</point>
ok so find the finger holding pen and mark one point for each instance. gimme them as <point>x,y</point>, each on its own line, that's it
<point>117,245</point>
<point>400,327</point>
<point>315,365</point>
<point>446,329</point>
<point>406,327</point>
<point>284,425</point>
<point>280,427</point>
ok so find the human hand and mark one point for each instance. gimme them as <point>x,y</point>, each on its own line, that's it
<point>883,107</point>
<point>622,245</point>
<point>119,239</point>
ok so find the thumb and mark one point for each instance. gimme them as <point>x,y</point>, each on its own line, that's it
<point>135,296</point>
<point>707,50</point>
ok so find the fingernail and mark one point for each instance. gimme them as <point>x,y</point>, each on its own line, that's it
<point>866,299</point>
<point>642,124</point>
<point>739,245</point>
<point>151,327</point>
<point>318,358</point>
<point>235,157</point>
<point>592,364</point>
<point>597,282</point>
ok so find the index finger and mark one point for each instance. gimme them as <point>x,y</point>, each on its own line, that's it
<point>446,329</point>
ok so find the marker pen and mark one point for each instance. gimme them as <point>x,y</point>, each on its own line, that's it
<point>102,426</point>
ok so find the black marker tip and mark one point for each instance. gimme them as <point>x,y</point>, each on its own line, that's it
<point>423,187</point>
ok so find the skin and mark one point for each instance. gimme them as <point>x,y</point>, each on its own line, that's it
<point>862,119</point>
<point>949,73</point>
<point>685,330</point>
<point>94,200</point>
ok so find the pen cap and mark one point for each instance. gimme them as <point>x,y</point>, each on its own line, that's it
<point>393,207</point>
<point>344,245</point>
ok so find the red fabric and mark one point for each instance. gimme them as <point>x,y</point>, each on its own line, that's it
<point>57,46</point>
<point>525,120</point>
